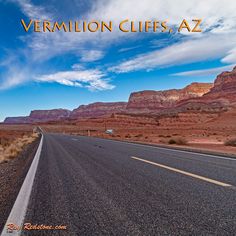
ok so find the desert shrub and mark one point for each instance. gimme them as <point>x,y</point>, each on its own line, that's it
<point>138,135</point>
<point>178,141</point>
<point>127,136</point>
<point>172,141</point>
<point>231,142</point>
<point>14,147</point>
<point>5,141</point>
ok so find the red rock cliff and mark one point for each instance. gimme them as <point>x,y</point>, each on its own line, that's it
<point>146,101</point>
<point>98,109</point>
<point>49,115</point>
<point>221,96</point>
<point>224,85</point>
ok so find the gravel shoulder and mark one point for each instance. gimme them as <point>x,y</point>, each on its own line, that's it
<point>12,175</point>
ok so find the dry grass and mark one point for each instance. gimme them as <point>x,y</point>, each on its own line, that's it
<point>231,142</point>
<point>11,148</point>
<point>178,141</point>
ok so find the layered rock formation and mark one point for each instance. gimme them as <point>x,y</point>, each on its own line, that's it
<point>154,101</point>
<point>40,116</point>
<point>17,120</point>
<point>200,97</point>
<point>224,87</point>
<point>49,115</point>
<point>221,97</point>
<point>98,109</point>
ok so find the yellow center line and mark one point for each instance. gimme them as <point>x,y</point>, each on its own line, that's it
<point>184,172</point>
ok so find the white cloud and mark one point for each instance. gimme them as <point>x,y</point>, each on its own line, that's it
<point>117,10</point>
<point>128,49</point>
<point>91,79</point>
<point>230,57</point>
<point>14,77</point>
<point>78,67</point>
<point>216,42</point>
<point>33,11</point>
<point>91,55</point>
<point>193,50</point>
<point>173,11</point>
<point>205,72</point>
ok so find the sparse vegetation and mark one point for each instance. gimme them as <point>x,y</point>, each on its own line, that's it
<point>178,141</point>
<point>10,148</point>
<point>162,141</point>
<point>231,142</point>
<point>4,142</point>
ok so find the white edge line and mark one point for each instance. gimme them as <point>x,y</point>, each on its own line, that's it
<point>19,208</point>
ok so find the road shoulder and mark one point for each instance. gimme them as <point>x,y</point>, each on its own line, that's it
<point>12,175</point>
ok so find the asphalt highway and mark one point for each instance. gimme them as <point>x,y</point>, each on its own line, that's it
<point>101,187</point>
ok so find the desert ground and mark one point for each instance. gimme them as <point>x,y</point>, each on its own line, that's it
<point>13,139</point>
<point>213,132</point>
<point>209,132</point>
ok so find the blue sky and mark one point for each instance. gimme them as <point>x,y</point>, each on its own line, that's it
<point>65,70</point>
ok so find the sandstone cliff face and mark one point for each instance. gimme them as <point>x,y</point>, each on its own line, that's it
<point>17,120</point>
<point>150,101</point>
<point>98,109</point>
<point>200,97</point>
<point>224,86</point>
<point>49,115</point>
<point>221,96</point>
<point>40,116</point>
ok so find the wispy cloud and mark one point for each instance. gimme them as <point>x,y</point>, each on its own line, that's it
<point>60,43</point>
<point>128,49</point>
<point>186,52</point>
<point>33,11</point>
<point>231,56</point>
<point>91,55</point>
<point>205,72</point>
<point>14,77</point>
<point>216,42</point>
<point>91,79</point>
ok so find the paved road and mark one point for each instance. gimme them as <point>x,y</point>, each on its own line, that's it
<point>103,187</point>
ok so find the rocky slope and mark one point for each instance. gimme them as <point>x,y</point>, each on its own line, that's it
<point>224,89</point>
<point>98,109</point>
<point>221,97</point>
<point>17,120</point>
<point>49,115</point>
<point>40,116</point>
<point>154,101</point>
